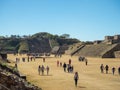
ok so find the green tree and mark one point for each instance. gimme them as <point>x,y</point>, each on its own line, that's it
<point>65,36</point>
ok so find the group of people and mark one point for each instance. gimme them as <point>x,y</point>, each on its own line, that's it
<point>41,69</point>
<point>17,60</point>
<point>59,64</point>
<point>81,58</point>
<point>68,67</point>
<point>106,68</point>
<point>28,59</point>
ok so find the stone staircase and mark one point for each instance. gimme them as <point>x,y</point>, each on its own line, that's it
<point>98,50</point>
<point>76,50</point>
<point>39,46</point>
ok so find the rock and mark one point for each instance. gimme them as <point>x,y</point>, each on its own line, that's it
<point>11,81</point>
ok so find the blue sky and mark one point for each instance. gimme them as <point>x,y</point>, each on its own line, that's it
<point>86,20</point>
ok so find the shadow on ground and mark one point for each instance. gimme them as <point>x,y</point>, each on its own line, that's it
<point>81,87</point>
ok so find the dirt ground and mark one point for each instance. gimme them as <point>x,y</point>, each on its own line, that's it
<point>90,77</point>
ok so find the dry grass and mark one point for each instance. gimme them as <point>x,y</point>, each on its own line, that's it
<point>90,77</point>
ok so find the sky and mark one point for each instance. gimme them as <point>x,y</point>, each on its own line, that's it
<point>86,20</point>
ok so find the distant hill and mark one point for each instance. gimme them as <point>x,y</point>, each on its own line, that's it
<point>37,43</point>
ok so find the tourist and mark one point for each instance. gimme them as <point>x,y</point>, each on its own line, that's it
<point>102,68</point>
<point>68,67</point>
<point>64,66</point>
<point>106,68</point>
<point>43,59</point>
<point>86,61</point>
<point>60,64</point>
<point>76,77</point>
<point>28,58</point>
<point>69,61</point>
<point>42,69</point>
<point>57,63</point>
<point>113,70</point>
<point>23,59</point>
<point>39,69</point>
<point>31,58</point>
<point>119,70</point>
<point>47,68</point>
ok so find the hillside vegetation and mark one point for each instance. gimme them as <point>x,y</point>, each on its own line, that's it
<point>38,43</point>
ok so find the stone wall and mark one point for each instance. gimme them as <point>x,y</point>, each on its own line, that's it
<point>11,81</point>
<point>112,39</point>
<point>117,54</point>
<point>97,42</point>
<point>111,52</point>
<point>99,50</point>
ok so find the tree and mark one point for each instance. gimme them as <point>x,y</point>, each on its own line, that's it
<point>13,36</point>
<point>1,37</point>
<point>65,36</point>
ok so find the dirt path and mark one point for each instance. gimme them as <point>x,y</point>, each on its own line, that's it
<point>90,77</point>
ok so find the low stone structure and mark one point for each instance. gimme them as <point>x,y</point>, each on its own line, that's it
<point>59,49</point>
<point>97,41</point>
<point>99,50</point>
<point>117,54</point>
<point>55,50</point>
<point>11,81</point>
<point>112,39</point>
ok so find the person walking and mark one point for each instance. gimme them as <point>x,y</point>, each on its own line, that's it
<point>39,69</point>
<point>28,58</point>
<point>68,68</point>
<point>43,59</point>
<point>106,68</point>
<point>113,70</point>
<point>60,64</point>
<point>69,61</point>
<point>47,68</point>
<point>42,69</point>
<point>76,77</point>
<point>86,61</point>
<point>64,66</point>
<point>57,63</point>
<point>102,68</point>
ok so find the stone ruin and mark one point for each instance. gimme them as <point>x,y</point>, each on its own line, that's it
<point>117,54</point>
<point>97,42</point>
<point>109,40</point>
<point>10,81</point>
<point>59,49</point>
<point>107,48</point>
<point>112,39</point>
